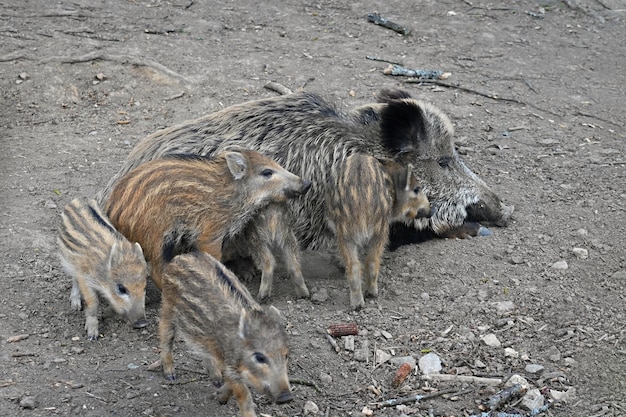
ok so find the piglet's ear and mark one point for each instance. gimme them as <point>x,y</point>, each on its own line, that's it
<point>274,313</point>
<point>402,127</point>
<point>387,95</point>
<point>237,164</point>
<point>244,324</point>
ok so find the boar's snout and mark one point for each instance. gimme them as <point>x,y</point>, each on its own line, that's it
<point>497,214</point>
<point>140,324</point>
<point>306,185</point>
<point>284,397</point>
<point>425,213</point>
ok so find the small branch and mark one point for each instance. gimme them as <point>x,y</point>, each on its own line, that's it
<point>333,343</point>
<point>377,19</point>
<point>463,378</point>
<point>414,398</point>
<point>480,93</point>
<point>419,73</point>
<point>307,383</point>
<point>89,394</point>
<point>375,58</point>
<point>279,88</point>
<point>122,59</point>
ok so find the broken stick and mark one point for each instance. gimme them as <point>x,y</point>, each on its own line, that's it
<point>393,69</point>
<point>462,378</point>
<point>377,19</point>
<point>414,398</point>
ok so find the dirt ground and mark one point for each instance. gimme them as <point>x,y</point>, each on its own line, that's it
<point>540,118</point>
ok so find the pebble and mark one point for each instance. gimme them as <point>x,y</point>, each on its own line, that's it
<point>479,364</point>
<point>382,356</point>
<point>348,343</point>
<point>50,204</point>
<point>581,253</point>
<point>399,360</point>
<point>320,296</point>
<point>533,399</point>
<point>386,334</point>
<point>564,396</point>
<point>511,353</point>
<point>533,368</point>
<point>491,340</point>
<point>28,402</point>
<point>424,296</point>
<point>560,265</point>
<point>582,232</point>
<point>310,408</point>
<point>504,306</point>
<point>361,354</point>
<point>517,379</point>
<point>77,350</point>
<point>430,364</point>
<point>325,378</point>
<point>619,275</point>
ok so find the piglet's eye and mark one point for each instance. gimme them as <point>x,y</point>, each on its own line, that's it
<point>121,290</point>
<point>417,190</point>
<point>260,358</point>
<point>444,161</point>
<point>267,172</point>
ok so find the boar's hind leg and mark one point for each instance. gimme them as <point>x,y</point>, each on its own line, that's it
<point>291,257</point>
<point>166,336</point>
<point>267,264</point>
<point>374,255</point>
<point>75,300</point>
<point>354,271</point>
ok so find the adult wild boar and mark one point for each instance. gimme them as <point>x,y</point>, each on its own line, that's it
<point>307,135</point>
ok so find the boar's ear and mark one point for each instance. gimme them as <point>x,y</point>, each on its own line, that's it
<point>402,126</point>
<point>386,95</point>
<point>113,255</point>
<point>237,164</point>
<point>138,249</point>
<point>274,314</point>
<point>244,324</point>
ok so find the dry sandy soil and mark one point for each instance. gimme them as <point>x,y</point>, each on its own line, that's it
<point>540,118</point>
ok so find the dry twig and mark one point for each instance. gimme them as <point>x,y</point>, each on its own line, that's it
<point>462,378</point>
<point>122,59</point>
<point>279,88</point>
<point>414,398</point>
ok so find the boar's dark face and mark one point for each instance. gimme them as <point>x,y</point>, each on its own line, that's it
<point>419,133</point>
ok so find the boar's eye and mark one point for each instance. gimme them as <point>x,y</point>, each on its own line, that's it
<point>417,190</point>
<point>444,161</point>
<point>267,172</point>
<point>260,358</point>
<point>121,290</point>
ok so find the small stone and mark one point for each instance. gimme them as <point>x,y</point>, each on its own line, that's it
<point>310,408</point>
<point>582,232</point>
<point>75,338</point>
<point>533,399</point>
<point>50,204</point>
<point>559,265</point>
<point>132,366</point>
<point>430,364</point>
<point>564,396</point>
<point>479,364</point>
<point>382,356</point>
<point>504,306</point>
<point>100,76</point>
<point>554,354</point>
<point>517,260</point>
<point>23,76</point>
<point>491,340</point>
<point>569,361</point>
<point>320,296</point>
<point>424,296</point>
<point>77,350</point>
<point>28,402</point>
<point>517,379</point>
<point>386,334</point>
<point>581,253</point>
<point>361,354</point>
<point>533,368</point>
<point>619,275</point>
<point>399,360</point>
<point>348,343</point>
<point>367,411</point>
<point>325,378</point>
<point>511,353</point>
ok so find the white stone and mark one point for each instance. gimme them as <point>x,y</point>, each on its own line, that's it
<point>564,396</point>
<point>430,364</point>
<point>533,368</point>
<point>560,265</point>
<point>310,408</point>
<point>511,353</point>
<point>348,343</point>
<point>533,399</point>
<point>386,334</point>
<point>517,379</point>
<point>491,340</point>
<point>504,306</point>
<point>382,356</point>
